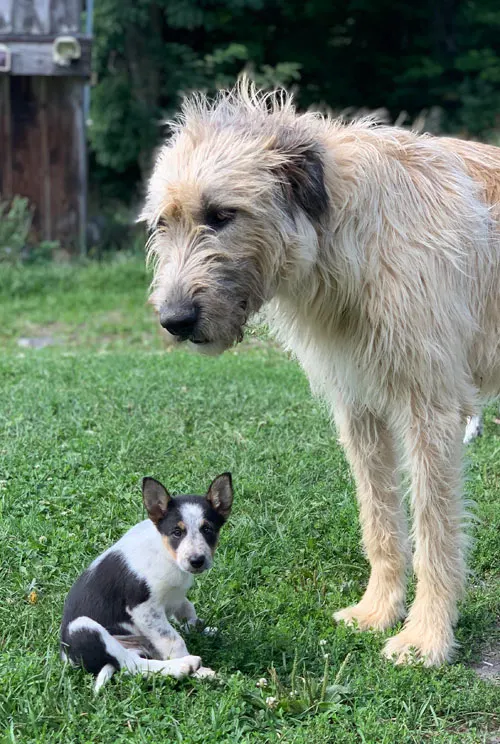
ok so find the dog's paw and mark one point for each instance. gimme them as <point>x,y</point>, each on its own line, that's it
<point>411,646</point>
<point>363,617</point>
<point>474,429</point>
<point>184,667</point>
<point>210,632</point>
<point>177,649</point>
<point>204,673</point>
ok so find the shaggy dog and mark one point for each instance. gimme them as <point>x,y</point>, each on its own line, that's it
<point>377,252</point>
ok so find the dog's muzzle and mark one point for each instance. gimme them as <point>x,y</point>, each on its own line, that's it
<point>180,320</point>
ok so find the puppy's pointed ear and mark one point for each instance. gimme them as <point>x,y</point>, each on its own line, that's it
<point>156,498</point>
<point>220,494</point>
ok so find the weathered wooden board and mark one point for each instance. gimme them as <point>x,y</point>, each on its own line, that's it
<point>33,57</point>
<point>42,136</point>
<point>40,16</point>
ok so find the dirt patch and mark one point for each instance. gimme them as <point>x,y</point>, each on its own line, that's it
<point>36,342</point>
<point>488,668</point>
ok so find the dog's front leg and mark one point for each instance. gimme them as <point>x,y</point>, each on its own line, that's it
<point>433,450</point>
<point>153,623</point>
<point>186,614</point>
<point>370,451</point>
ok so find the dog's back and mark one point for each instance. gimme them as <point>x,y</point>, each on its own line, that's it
<point>105,593</point>
<point>101,598</point>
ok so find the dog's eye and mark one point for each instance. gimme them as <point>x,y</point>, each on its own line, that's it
<point>177,532</point>
<point>218,218</point>
<point>206,529</point>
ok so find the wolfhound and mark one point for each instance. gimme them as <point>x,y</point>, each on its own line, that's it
<point>377,254</point>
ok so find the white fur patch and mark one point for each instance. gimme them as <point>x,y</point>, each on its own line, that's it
<point>194,544</point>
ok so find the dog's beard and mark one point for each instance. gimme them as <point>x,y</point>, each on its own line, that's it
<point>215,348</point>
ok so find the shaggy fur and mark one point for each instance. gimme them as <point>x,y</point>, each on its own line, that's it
<point>377,253</point>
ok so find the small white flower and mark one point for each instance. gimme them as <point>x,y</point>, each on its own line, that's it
<point>42,539</point>
<point>326,656</point>
<point>322,642</point>
<point>262,682</point>
<point>271,702</point>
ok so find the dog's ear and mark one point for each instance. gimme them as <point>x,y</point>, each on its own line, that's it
<point>156,498</point>
<point>302,174</point>
<point>220,494</point>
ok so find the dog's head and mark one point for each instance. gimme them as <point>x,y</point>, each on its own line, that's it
<point>189,525</point>
<point>234,205</point>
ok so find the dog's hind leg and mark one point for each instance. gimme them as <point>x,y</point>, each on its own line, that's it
<point>434,448</point>
<point>91,645</point>
<point>370,451</point>
<point>177,668</point>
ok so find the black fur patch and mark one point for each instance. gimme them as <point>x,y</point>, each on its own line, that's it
<point>306,176</point>
<point>88,650</point>
<point>103,594</point>
<point>302,174</point>
<point>169,523</point>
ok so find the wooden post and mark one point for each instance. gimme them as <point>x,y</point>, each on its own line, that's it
<point>42,128</point>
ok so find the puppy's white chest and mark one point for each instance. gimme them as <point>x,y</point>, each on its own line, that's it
<point>171,588</point>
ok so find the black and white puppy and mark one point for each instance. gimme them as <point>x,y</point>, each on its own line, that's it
<point>116,615</point>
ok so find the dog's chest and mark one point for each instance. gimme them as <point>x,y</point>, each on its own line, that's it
<point>145,554</point>
<point>335,363</point>
<point>169,587</point>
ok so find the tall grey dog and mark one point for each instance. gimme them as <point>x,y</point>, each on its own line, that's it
<point>377,252</point>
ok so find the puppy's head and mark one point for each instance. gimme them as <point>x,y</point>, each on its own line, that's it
<point>189,525</point>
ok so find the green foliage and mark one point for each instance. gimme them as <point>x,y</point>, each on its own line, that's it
<point>367,54</point>
<point>16,219</point>
<point>15,226</point>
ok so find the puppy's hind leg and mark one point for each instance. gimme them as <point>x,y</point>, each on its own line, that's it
<point>177,668</point>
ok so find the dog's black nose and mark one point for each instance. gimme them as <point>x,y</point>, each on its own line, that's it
<point>179,320</point>
<point>197,561</point>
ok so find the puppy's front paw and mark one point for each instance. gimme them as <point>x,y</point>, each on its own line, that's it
<point>204,673</point>
<point>189,664</point>
<point>210,632</point>
<point>177,649</point>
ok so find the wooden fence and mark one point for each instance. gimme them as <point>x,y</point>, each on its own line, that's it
<point>44,66</point>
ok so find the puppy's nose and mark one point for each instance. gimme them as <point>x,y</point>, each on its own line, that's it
<point>197,561</point>
<point>179,320</point>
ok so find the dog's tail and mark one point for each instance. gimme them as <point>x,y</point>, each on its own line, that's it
<point>104,675</point>
<point>88,643</point>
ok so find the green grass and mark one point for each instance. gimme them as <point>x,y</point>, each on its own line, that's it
<point>82,421</point>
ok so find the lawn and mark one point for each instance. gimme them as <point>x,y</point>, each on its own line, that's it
<point>105,403</point>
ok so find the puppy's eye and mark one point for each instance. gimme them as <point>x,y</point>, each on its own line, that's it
<point>218,218</point>
<point>177,532</point>
<point>206,529</point>
<point>162,223</point>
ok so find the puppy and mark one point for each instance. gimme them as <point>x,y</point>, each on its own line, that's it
<point>116,615</point>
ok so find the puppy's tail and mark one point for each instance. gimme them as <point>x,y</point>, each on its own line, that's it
<point>104,675</point>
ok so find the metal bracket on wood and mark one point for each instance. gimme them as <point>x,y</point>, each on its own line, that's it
<point>65,50</point>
